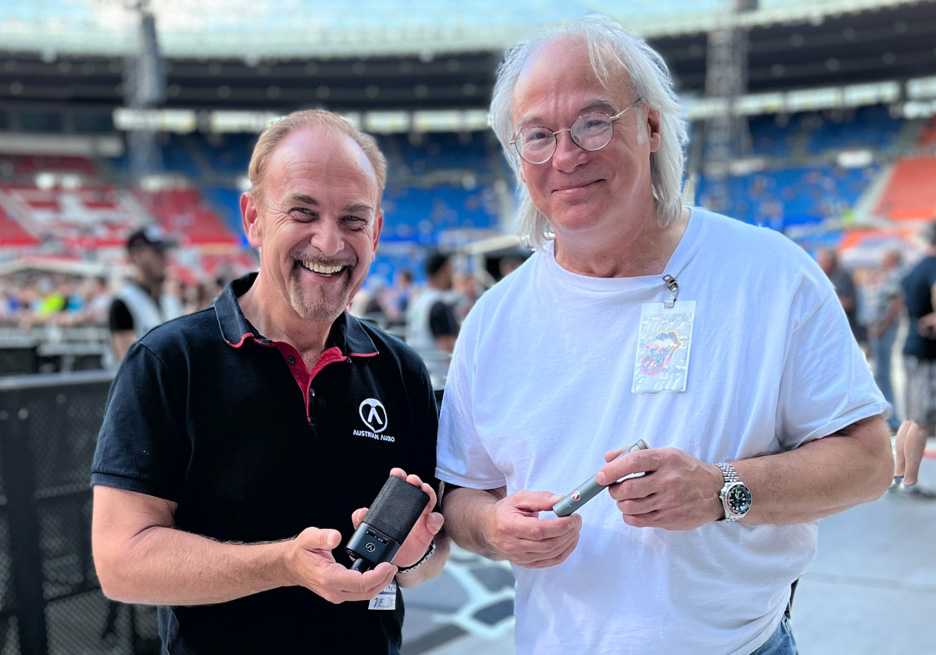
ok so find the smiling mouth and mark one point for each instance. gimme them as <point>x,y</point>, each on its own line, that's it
<point>327,270</point>
<point>578,186</point>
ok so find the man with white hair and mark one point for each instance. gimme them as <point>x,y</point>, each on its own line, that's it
<point>720,344</point>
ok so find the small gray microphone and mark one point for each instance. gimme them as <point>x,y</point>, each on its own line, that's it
<point>590,488</point>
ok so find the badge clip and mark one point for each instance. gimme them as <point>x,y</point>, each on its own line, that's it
<point>673,287</point>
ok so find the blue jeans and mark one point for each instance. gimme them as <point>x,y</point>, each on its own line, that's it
<point>881,348</point>
<point>780,643</point>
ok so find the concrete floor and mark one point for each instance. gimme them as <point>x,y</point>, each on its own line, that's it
<point>870,590</point>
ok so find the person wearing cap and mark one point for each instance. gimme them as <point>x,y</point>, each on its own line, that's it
<point>242,444</point>
<point>722,345</point>
<point>142,302</point>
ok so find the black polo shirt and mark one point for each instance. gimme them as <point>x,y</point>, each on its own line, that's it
<point>206,412</point>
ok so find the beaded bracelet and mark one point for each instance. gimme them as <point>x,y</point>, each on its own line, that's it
<point>422,560</point>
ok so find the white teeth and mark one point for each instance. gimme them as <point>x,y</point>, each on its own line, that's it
<point>315,267</point>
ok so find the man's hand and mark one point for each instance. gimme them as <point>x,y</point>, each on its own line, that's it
<point>310,564</point>
<point>679,491</point>
<point>513,528</point>
<point>926,325</point>
<point>425,529</point>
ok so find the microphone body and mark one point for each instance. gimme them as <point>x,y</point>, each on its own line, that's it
<point>590,488</point>
<point>389,520</point>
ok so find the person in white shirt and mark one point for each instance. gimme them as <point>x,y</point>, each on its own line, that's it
<point>143,302</point>
<point>720,344</point>
<point>431,326</point>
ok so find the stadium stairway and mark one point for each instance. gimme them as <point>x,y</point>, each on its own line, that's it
<point>12,234</point>
<point>868,202</point>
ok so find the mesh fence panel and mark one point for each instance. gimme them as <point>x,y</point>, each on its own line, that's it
<point>62,418</point>
<point>8,638</point>
<point>76,625</point>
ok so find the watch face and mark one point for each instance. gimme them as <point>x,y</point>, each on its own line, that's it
<point>739,499</point>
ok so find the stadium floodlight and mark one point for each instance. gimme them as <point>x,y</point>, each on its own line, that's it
<point>922,87</point>
<point>166,120</point>
<point>857,95</point>
<point>387,122</point>
<point>760,103</point>
<point>918,109</point>
<point>814,99</point>
<point>240,121</point>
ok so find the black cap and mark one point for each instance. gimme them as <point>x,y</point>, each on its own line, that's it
<point>152,236</point>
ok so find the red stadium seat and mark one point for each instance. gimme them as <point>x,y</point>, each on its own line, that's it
<point>910,193</point>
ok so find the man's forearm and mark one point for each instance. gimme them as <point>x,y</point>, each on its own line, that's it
<point>165,566</point>
<point>821,477</point>
<point>465,511</point>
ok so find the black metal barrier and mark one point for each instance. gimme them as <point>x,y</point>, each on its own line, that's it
<point>18,357</point>
<point>50,599</point>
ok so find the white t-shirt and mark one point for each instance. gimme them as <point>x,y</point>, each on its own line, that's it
<point>540,388</point>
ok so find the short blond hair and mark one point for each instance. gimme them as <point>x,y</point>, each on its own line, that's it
<point>283,127</point>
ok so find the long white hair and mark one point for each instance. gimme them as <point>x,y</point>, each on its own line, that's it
<point>613,53</point>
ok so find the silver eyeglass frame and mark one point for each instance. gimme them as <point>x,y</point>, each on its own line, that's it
<point>515,141</point>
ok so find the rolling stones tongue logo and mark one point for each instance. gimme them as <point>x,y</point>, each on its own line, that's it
<point>658,353</point>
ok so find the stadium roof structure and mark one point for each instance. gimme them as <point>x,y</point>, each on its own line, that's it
<point>372,55</point>
<point>256,29</point>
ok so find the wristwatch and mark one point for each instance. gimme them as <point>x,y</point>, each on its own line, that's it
<point>735,495</point>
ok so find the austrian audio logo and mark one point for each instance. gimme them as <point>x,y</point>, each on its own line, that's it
<point>374,415</point>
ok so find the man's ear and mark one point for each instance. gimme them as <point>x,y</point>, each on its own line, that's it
<point>653,129</point>
<point>250,219</point>
<point>378,227</point>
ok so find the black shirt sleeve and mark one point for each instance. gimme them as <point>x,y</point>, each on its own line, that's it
<point>119,318</point>
<point>442,322</point>
<point>142,445</point>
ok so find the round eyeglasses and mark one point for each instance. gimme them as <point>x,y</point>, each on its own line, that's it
<point>591,131</point>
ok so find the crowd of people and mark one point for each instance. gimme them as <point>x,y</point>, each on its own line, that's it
<point>892,317</point>
<point>35,299</point>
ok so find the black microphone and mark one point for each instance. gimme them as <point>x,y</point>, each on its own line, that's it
<point>388,521</point>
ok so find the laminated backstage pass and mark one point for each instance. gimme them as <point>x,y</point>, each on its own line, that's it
<point>663,345</point>
<point>386,599</point>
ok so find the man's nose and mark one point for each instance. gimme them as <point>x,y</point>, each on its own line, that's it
<point>568,155</point>
<point>328,238</point>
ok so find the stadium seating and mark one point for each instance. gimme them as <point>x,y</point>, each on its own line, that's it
<point>911,192</point>
<point>183,213</point>
<point>89,217</point>
<point>12,234</point>
<point>928,134</point>
<point>793,196</point>
<point>18,166</point>
<point>866,127</point>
